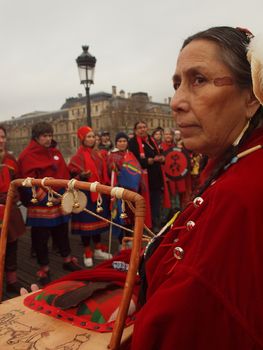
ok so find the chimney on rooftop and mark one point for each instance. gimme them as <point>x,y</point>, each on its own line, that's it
<point>114,91</point>
<point>122,93</point>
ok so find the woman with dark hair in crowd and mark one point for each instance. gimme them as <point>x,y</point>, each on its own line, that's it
<point>125,171</point>
<point>157,135</point>
<point>202,284</point>
<point>145,149</point>
<point>8,172</point>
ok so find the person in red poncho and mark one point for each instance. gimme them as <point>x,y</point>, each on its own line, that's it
<point>88,164</point>
<point>180,188</point>
<point>202,286</point>
<point>40,159</point>
<point>8,172</point>
<point>169,143</point>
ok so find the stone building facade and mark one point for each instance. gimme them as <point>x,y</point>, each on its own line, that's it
<point>112,112</point>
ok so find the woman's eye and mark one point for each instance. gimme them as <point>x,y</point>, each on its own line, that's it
<point>198,80</point>
<point>176,85</point>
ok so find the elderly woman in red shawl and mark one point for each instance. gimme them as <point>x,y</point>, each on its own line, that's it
<point>89,165</point>
<point>203,280</point>
<point>8,172</point>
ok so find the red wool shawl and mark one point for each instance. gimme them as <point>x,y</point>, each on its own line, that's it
<point>89,160</point>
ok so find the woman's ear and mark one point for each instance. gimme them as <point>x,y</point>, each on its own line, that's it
<point>252,104</point>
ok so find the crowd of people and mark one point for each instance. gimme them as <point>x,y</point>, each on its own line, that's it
<point>135,162</point>
<point>201,281</point>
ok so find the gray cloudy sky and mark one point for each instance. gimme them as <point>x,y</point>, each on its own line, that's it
<point>136,43</point>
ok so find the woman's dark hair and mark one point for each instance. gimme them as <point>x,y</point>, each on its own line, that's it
<point>139,122</point>
<point>41,128</point>
<point>3,128</point>
<point>156,130</point>
<point>233,51</point>
<point>232,43</point>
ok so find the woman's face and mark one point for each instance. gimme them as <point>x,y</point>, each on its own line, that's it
<point>122,144</point>
<point>2,140</point>
<point>90,139</point>
<point>97,140</point>
<point>209,108</point>
<point>168,136</point>
<point>141,130</point>
<point>158,136</point>
<point>45,140</point>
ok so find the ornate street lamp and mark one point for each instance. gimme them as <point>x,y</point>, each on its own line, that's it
<point>86,65</point>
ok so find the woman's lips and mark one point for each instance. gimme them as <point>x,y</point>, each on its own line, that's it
<point>187,129</point>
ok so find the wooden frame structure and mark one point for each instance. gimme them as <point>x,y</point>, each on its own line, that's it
<point>139,215</point>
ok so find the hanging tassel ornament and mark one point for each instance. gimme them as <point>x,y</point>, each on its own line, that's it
<point>34,199</point>
<point>49,192</point>
<point>123,215</point>
<point>76,204</point>
<point>99,208</point>
<point>50,198</point>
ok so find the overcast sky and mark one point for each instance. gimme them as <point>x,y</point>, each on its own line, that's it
<point>136,43</point>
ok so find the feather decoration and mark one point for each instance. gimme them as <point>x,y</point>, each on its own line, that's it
<point>255,57</point>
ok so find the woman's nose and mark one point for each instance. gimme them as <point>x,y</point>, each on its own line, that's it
<point>180,100</point>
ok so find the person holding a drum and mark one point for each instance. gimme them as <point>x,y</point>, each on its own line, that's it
<point>202,284</point>
<point>88,164</point>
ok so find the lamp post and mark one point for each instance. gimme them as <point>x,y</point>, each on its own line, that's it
<point>86,66</point>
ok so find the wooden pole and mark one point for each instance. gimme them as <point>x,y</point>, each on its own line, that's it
<point>4,233</point>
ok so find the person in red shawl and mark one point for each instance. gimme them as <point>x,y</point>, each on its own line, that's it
<point>204,278</point>
<point>40,159</point>
<point>8,172</point>
<point>89,165</point>
<point>147,152</point>
<point>168,143</point>
<point>180,188</point>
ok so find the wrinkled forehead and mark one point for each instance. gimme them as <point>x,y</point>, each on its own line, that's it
<point>200,54</point>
